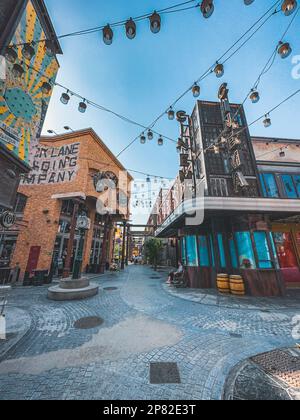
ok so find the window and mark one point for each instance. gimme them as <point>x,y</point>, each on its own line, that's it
<point>289,186</point>
<point>221,250</point>
<point>219,187</point>
<point>191,251</point>
<point>20,203</point>
<point>269,185</point>
<point>234,260</point>
<point>297,184</point>
<point>262,248</point>
<point>245,250</point>
<point>203,251</point>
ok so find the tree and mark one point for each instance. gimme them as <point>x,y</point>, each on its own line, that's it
<point>153,248</point>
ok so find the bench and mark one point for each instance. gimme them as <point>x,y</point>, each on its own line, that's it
<point>180,280</point>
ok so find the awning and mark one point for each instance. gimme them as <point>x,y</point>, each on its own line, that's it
<point>214,205</point>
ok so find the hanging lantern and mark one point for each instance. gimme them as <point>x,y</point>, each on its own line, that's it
<point>28,52</point>
<point>155,23</point>
<point>284,49</point>
<point>65,98</point>
<point>150,135</point>
<point>143,139</point>
<point>267,122</point>
<point>248,2</point>
<point>130,29</point>
<point>196,90</point>
<point>17,71</point>
<point>160,141</point>
<point>148,179</point>
<point>207,8</point>
<point>82,107</point>
<point>49,48</point>
<point>46,88</point>
<point>108,35</point>
<point>254,97</point>
<point>171,114</point>
<point>219,70</point>
<point>288,7</point>
<point>11,55</point>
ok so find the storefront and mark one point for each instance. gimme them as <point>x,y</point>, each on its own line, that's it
<point>69,179</point>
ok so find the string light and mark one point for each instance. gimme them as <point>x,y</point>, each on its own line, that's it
<point>289,7</point>
<point>284,50</point>
<point>269,13</point>
<point>82,107</point>
<point>65,98</point>
<point>207,8</point>
<point>130,29</point>
<point>11,55</point>
<point>28,52</point>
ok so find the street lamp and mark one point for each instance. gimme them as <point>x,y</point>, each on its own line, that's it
<point>52,132</point>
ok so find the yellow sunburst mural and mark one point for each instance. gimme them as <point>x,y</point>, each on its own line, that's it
<point>23,104</point>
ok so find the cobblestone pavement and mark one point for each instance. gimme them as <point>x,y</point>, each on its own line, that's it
<point>142,324</point>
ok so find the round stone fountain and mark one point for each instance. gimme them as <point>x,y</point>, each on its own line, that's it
<point>70,289</point>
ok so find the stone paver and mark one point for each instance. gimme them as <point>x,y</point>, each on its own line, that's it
<point>143,323</point>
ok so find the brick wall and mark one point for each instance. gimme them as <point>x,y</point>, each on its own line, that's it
<point>42,212</point>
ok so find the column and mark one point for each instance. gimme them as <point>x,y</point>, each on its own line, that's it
<point>67,268</point>
<point>104,245</point>
<point>123,247</point>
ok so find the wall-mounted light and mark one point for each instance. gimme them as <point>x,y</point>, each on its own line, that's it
<point>282,153</point>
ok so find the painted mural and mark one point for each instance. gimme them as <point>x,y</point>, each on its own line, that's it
<point>23,104</point>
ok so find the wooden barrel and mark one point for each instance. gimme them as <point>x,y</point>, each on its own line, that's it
<point>237,286</point>
<point>223,283</point>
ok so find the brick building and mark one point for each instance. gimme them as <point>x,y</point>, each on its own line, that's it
<point>70,173</point>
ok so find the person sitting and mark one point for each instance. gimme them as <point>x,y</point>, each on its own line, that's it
<point>174,273</point>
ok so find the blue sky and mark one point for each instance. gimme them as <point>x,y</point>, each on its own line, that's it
<point>140,78</point>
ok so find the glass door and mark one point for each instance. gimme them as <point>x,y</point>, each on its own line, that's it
<point>287,256</point>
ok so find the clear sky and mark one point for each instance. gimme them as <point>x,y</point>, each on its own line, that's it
<point>140,78</point>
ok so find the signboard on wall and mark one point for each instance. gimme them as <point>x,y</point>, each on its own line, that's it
<point>54,165</point>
